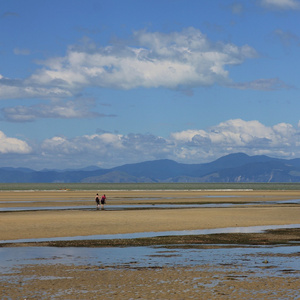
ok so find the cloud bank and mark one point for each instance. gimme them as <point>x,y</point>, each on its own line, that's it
<point>190,146</point>
<point>185,59</point>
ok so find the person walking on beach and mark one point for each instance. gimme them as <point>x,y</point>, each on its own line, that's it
<point>97,201</point>
<point>103,201</point>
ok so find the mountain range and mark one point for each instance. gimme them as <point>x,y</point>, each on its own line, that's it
<point>238,167</point>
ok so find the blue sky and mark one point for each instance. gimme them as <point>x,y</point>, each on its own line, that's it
<point>113,82</point>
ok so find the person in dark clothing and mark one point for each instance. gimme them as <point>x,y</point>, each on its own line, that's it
<point>97,201</point>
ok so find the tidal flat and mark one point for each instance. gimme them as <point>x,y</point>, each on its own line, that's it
<point>257,265</point>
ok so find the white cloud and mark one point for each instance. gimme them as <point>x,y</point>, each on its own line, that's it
<point>238,135</point>
<point>76,109</point>
<point>87,145</point>
<point>190,146</point>
<point>12,145</point>
<point>16,88</point>
<point>179,59</point>
<point>281,4</point>
<point>106,150</point>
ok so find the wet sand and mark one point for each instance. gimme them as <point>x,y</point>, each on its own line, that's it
<point>92,282</point>
<point>60,281</point>
<point>41,224</point>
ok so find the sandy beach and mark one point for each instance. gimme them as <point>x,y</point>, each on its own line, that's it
<point>58,223</point>
<point>61,281</point>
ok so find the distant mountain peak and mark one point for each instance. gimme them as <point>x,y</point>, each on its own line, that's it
<point>235,167</point>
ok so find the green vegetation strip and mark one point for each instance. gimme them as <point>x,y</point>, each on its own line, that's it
<point>148,186</point>
<point>270,237</point>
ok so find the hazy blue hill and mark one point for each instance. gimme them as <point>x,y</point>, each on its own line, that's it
<point>155,170</point>
<point>237,167</point>
<point>229,161</point>
<point>236,160</point>
<point>294,162</point>
<point>269,171</point>
<point>47,176</point>
<point>13,176</point>
<point>69,176</point>
<point>116,177</point>
<point>89,168</point>
<point>25,170</point>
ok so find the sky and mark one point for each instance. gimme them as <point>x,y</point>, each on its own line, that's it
<point>113,82</point>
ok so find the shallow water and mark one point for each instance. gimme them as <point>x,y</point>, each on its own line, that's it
<point>249,229</point>
<point>114,207</point>
<point>139,206</point>
<point>251,260</point>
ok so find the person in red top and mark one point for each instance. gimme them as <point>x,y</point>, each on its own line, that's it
<point>103,201</point>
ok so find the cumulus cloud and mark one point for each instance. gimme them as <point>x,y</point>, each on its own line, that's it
<point>10,145</point>
<point>76,109</point>
<point>238,135</point>
<point>190,146</point>
<point>106,149</point>
<point>174,60</point>
<point>281,4</point>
